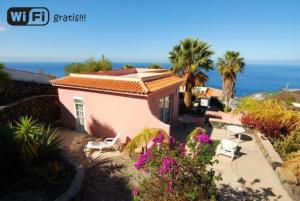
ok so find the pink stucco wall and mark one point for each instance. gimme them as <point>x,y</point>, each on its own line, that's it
<point>108,113</point>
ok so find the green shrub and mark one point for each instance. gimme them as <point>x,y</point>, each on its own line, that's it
<point>288,144</point>
<point>90,65</point>
<point>27,146</point>
<point>248,104</point>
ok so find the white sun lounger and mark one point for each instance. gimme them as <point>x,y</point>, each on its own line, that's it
<point>107,143</point>
<point>227,148</point>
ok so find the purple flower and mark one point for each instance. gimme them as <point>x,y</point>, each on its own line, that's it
<point>181,148</point>
<point>203,138</point>
<point>172,140</point>
<point>143,158</point>
<point>168,166</point>
<point>169,188</point>
<point>135,191</point>
<point>159,139</point>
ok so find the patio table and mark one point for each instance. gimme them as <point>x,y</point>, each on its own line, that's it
<point>233,130</point>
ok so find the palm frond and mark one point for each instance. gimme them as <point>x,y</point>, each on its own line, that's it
<point>142,139</point>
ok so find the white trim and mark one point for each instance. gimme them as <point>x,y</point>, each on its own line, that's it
<point>83,110</point>
<point>149,76</point>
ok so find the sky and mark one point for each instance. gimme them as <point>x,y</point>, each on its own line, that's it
<point>145,31</point>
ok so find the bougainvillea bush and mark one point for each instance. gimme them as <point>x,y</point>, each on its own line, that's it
<point>177,171</point>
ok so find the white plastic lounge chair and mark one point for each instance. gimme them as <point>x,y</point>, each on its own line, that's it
<point>227,148</point>
<point>107,143</point>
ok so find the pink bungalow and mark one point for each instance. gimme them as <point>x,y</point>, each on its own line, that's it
<point>127,101</point>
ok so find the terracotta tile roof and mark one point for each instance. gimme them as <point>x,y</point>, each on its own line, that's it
<point>132,86</point>
<point>100,84</point>
<point>154,85</point>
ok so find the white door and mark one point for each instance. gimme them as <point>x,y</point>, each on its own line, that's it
<point>79,115</point>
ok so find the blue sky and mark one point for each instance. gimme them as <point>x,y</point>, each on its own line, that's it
<point>145,31</point>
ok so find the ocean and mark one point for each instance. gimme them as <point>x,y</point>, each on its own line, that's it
<point>256,77</point>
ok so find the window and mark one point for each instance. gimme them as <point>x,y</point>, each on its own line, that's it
<point>79,114</point>
<point>165,109</point>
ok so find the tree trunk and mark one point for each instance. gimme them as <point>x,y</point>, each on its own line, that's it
<point>188,98</point>
<point>228,91</point>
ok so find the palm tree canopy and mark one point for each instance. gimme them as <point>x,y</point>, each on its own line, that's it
<point>189,57</point>
<point>230,65</point>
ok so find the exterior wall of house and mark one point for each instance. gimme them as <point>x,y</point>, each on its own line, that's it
<point>106,113</point>
<point>154,102</point>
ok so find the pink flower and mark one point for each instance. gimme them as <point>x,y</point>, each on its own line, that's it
<point>168,166</point>
<point>169,188</point>
<point>135,191</point>
<point>159,139</point>
<point>143,158</point>
<point>203,138</point>
<point>181,148</point>
<point>172,140</point>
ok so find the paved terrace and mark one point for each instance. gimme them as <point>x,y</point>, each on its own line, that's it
<point>248,176</point>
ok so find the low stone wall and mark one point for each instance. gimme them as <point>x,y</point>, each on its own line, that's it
<point>268,151</point>
<point>289,182</point>
<point>76,183</point>
<point>44,108</point>
<point>219,123</point>
<point>18,90</point>
<point>287,178</point>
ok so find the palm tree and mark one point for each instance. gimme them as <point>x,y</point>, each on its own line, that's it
<point>228,67</point>
<point>4,77</point>
<point>189,57</point>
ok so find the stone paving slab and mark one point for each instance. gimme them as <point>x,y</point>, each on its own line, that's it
<point>248,176</point>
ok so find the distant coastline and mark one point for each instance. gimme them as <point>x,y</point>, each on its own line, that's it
<point>256,78</point>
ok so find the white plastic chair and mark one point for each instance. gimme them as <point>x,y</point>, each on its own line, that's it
<point>227,148</point>
<point>107,143</point>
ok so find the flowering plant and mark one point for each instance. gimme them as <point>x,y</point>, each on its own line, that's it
<point>173,174</point>
<point>159,139</point>
<point>142,159</point>
<point>203,138</point>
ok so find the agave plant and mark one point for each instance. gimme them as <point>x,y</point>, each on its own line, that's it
<point>25,131</point>
<point>49,143</point>
<point>36,141</point>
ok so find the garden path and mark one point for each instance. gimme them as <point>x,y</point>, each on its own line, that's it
<point>248,176</point>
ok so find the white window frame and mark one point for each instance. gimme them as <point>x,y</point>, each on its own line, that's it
<point>164,119</point>
<point>83,110</point>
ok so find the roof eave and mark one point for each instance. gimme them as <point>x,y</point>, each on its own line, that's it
<point>101,90</point>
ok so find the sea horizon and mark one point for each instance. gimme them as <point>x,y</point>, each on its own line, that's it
<point>255,79</point>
